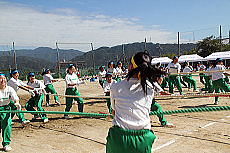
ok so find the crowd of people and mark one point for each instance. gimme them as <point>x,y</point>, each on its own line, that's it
<point>132,92</point>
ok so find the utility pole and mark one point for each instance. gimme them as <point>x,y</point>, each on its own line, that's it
<point>229,37</point>
<point>123,52</point>
<point>178,42</point>
<point>58,61</point>
<point>220,39</point>
<point>93,54</point>
<point>15,57</point>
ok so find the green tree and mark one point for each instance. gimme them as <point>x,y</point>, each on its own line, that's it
<point>208,46</point>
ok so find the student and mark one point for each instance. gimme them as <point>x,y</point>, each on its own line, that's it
<point>174,67</point>
<point>208,79</point>
<point>218,78</point>
<point>111,68</point>
<point>119,71</point>
<point>156,107</point>
<point>131,101</point>
<point>201,67</point>
<point>37,100</point>
<point>7,94</point>
<point>48,80</point>
<point>106,87</point>
<point>17,84</point>
<point>72,82</point>
<point>188,78</point>
<point>101,75</point>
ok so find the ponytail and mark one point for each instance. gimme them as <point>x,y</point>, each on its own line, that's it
<point>144,70</point>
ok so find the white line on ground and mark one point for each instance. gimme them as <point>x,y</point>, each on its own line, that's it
<point>227,116</point>
<point>164,145</point>
<point>209,124</point>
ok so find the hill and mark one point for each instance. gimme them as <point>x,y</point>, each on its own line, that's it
<point>105,54</point>
<point>25,63</point>
<point>46,53</point>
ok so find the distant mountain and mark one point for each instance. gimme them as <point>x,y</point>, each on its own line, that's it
<point>46,53</point>
<point>103,55</point>
<point>25,63</point>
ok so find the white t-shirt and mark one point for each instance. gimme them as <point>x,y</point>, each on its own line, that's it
<point>47,79</point>
<point>111,70</point>
<point>201,68</point>
<point>6,95</point>
<point>174,68</point>
<point>218,75</point>
<point>72,79</point>
<point>209,69</point>
<point>107,86</point>
<point>38,85</point>
<point>187,69</point>
<point>131,105</point>
<point>15,83</point>
<point>101,75</point>
<point>119,71</point>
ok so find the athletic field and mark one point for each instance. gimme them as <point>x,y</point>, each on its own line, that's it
<point>203,132</point>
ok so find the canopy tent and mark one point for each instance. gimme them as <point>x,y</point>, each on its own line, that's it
<point>190,58</point>
<point>214,56</point>
<point>162,60</point>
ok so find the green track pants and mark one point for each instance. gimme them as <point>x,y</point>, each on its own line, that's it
<point>108,102</point>
<point>36,101</point>
<point>176,81</point>
<point>208,85</point>
<point>6,126</point>
<point>129,141</point>
<point>164,82</point>
<point>19,115</point>
<point>69,100</point>
<point>202,79</point>
<point>190,81</point>
<point>219,85</point>
<point>157,107</point>
<point>50,89</point>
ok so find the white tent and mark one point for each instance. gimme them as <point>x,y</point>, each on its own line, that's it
<point>214,56</point>
<point>190,58</point>
<point>162,60</point>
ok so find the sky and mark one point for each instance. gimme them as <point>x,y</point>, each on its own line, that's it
<point>110,22</point>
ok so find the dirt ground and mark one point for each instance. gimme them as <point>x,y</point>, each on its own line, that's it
<point>204,132</point>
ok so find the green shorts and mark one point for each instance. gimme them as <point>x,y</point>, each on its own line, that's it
<point>129,141</point>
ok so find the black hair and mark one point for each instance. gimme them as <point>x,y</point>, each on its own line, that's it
<point>217,61</point>
<point>108,75</point>
<point>174,57</point>
<point>69,67</point>
<point>11,75</point>
<point>146,70</point>
<point>111,63</point>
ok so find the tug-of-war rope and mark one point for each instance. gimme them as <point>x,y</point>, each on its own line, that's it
<point>168,112</point>
<point>227,94</point>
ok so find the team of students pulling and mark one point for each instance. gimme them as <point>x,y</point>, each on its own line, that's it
<point>132,97</point>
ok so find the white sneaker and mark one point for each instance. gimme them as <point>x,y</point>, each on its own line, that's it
<point>216,103</point>
<point>7,148</point>
<point>58,103</point>
<point>25,122</point>
<point>169,125</point>
<point>46,120</point>
<point>66,116</point>
<point>47,104</point>
<point>197,90</point>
